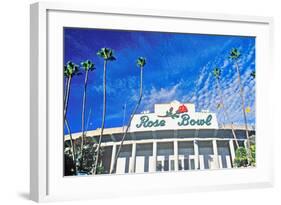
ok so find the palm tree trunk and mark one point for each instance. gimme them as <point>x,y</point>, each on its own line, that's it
<point>71,145</point>
<point>244,112</point>
<point>128,126</point>
<point>226,114</point>
<point>66,98</point>
<point>103,117</point>
<point>83,112</point>
<point>65,91</point>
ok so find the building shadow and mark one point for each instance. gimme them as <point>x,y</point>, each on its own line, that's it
<point>24,195</point>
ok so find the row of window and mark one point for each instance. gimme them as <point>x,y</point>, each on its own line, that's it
<point>165,161</point>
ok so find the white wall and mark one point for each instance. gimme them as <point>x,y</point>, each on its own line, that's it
<point>14,109</point>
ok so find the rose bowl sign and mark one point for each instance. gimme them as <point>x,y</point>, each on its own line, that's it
<point>174,116</point>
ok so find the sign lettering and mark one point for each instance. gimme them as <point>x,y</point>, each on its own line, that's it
<point>184,120</point>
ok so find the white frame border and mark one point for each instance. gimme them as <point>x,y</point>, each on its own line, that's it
<point>38,83</point>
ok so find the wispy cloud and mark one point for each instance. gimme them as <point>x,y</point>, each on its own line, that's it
<point>179,67</point>
<point>162,95</point>
<point>207,95</point>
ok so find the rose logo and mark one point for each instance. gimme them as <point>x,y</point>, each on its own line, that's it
<point>182,109</point>
<point>170,113</point>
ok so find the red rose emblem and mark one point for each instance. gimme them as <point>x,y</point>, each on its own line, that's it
<point>182,109</point>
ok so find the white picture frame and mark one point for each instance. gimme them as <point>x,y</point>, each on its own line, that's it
<point>46,177</point>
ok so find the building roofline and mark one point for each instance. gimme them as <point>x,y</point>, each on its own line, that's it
<point>121,130</point>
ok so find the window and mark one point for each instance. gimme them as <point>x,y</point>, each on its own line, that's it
<point>172,165</point>
<point>180,165</point>
<point>159,166</point>
<point>192,164</point>
<point>166,165</point>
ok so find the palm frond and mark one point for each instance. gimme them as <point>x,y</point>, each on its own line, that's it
<point>107,54</point>
<point>88,65</point>
<point>71,69</point>
<point>141,61</point>
<point>234,54</point>
<point>253,74</point>
<point>217,72</point>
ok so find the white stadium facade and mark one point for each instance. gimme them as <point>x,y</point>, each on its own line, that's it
<point>173,138</point>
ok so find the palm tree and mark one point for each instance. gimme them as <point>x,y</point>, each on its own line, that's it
<point>140,63</point>
<point>253,74</point>
<point>107,55</point>
<point>70,69</point>
<point>235,55</point>
<point>87,66</point>
<point>217,74</point>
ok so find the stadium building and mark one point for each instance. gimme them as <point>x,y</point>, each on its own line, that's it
<point>173,138</point>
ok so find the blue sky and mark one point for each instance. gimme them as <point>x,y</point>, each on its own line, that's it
<point>179,67</point>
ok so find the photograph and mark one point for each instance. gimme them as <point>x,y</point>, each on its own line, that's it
<point>150,102</point>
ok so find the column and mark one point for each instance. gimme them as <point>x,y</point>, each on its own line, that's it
<point>196,153</point>
<point>133,158</point>
<point>216,156</point>
<point>176,155</point>
<point>232,152</point>
<point>113,156</point>
<point>154,155</point>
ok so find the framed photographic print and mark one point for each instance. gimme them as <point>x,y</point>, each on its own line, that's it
<point>145,102</point>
